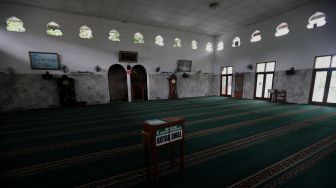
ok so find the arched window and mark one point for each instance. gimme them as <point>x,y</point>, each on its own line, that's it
<point>220,46</point>
<point>208,47</point>
<point>138,38</point>
<point>159,41</point>
<point>236,42</point>
<point>114,35</point>
<point>317,20</point>
<point>282,29</point>
<point>194,45</point>
<point>85,32</point>
<point>256,36</point>
<point>177,43</point>
<point>53,29</point>
<point>15,24</point>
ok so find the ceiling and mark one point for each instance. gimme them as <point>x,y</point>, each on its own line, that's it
<point>188,15</point>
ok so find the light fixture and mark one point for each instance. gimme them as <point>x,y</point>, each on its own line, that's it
<point>213,5</point>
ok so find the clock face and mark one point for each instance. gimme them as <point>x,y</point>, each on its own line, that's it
<point>65,82</point>
<point>173,81</point>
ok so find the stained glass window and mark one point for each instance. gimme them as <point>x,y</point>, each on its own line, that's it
<point>53,29</point>
<point>15,24</point>
<point>208,47</point>
<point>138,38</point>
<point>85,32</point>
<point>282,29</point>
<point>114,35</point>
<point>194,45</point>
<point>220,46</point>
<point>236,42</point>
<point>317,20</point>
<point>256,36</point>
<point>177,43</point>
<point>159,41</point>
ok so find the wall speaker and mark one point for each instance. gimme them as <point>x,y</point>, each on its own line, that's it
<point>97,68</point>
<point>290,71</point>
<point>249,67</point>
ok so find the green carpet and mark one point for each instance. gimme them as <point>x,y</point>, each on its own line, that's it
<point>228,142</point>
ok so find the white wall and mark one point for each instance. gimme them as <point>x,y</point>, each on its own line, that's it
<point>297,49</point>
<point>83,55</point>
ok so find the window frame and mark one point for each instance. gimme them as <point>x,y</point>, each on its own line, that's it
<point>221,81</point>
<point>264,79</point>
<point>328,79</point>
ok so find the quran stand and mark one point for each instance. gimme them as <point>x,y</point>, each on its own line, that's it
<point>162,133</point>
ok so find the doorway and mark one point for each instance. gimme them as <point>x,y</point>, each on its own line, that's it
<point>139,83</point>
<point>323,90</point>
<point>226,81</point>
<point>264,79</point>
<point>117,80</point>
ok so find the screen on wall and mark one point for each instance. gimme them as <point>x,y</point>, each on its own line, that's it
<point>183,66</point>
<point>44,61</point>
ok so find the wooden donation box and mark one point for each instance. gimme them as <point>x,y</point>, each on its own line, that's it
<point>158,133</point>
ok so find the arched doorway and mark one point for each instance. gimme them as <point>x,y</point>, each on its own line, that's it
<point>139,83</point>
<point>117,80</point>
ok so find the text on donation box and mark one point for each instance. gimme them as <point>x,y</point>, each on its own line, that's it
<point>169,134</point>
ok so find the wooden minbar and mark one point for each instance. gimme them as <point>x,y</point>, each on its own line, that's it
<point>160,133</point>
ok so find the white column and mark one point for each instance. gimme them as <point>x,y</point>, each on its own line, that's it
<point>129,91</point>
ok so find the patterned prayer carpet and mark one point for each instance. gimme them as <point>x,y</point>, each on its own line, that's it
<point>229,143</point>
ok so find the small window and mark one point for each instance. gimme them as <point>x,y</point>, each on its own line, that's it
<point>220,46</point>
<point>270,66</point>
<point>15,24</point>
<point>266,67</point>
<point>138,38</point>
<point>229,70</point>
<point>226,81</point>
<point>114,35</point>
<point>333,63</point>
<point>224,71</point>
<point>317,20</point>
<point>261,67</point>
<point>322,62</point>
<point>53,29</point>
<point>282,29</point>
<point>236,42</point>
<point>208,47</point>
<point>177,43</point>
<point>194,45</point>
<point>159,41</point>
<point>256,36</point>
<point>85,32</point>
